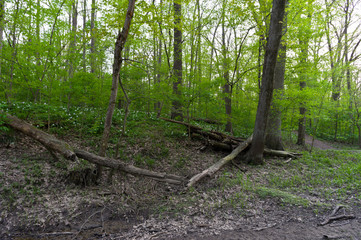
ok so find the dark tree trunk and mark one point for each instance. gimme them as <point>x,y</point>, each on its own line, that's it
<point>177,66</point>
<point>302,121</point>
<point>84,35</point>
<point>255,154</point>
<point>274,134</point>
<point>119,45</point>
<point>227,88</point>
<point>2,13</point>
<point>92,36</point>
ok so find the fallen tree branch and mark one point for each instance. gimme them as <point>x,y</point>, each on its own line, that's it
<point>218,165</point>
<point>332,216</point>
<point>115,164</point>
<point>53,144</point>
<point>335,218</point>
<point>218,136</point>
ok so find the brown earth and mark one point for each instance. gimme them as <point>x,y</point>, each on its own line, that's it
<point>138,208</point>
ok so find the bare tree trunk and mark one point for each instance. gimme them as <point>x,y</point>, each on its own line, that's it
<point>255,154</point>
<point>2,13</point>
<point>84,35</point>
<point>93,37</point>
<point>8,92</point>
<point>273,133</point>
<point>119,45</point>
<point>302,121</point>
<point>177,66</point>
<point>227,88</point>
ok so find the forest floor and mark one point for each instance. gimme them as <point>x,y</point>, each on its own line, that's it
<point>283,199</point>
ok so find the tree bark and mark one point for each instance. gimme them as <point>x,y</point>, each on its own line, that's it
<point>2,13</point>
<point>255,154</point>
<point>177,65</point>
<point>119,45</point>
<point>92,36</point>
<point>302,121</point>
<point>84,35</point>
<point>273,133</point>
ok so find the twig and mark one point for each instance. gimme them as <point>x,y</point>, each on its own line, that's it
<point>341,217</point>
<point>332,216</point>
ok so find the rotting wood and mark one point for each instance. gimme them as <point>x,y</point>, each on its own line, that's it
<point>53,144</point>
<point>218,165</point>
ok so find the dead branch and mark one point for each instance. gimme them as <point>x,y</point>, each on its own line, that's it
<point>214,135</point>
<point>115,164</point>
<point>335,218</point>
<point>51,143</point>
<point>218,165</point>
<point>331,218</point>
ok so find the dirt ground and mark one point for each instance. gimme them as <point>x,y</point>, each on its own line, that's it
<point>137,208</point>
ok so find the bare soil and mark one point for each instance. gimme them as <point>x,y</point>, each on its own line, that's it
<point>139,208</point>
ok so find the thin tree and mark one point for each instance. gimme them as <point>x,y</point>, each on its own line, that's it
<point>255,154</point>
<point>119,45</point>
<point>177,65</point>
<point>92,36</point>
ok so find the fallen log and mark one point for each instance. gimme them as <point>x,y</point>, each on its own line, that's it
<point>118,165</point>
<point>218,165</point>
<point>51,143</point>
<point>214,135</point>
<point>55,145</point>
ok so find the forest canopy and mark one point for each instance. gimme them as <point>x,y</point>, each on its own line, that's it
<point>191,59</point>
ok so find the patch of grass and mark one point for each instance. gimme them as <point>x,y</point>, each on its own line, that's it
<point>330,173</point>
<point>284,197</point>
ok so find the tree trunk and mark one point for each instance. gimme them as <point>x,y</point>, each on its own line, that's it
<point>227,88</point>
<point>92,37</point>
<point>119,45</point>
<point>177,65</point>
<point>302,121</point>
<point>273,133</point>
<point>84,36</point>
<point>255,154</point>
<point>2,13</point>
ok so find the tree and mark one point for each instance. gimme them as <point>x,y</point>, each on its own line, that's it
<point>117,63</point>
<point>273,133</point>
<point>177,64</point>
<point>255,154</point>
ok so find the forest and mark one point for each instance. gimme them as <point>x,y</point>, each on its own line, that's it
<point>157,109</point>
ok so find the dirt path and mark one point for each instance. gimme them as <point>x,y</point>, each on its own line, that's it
<point>294,231</point>
<point>323,145</point>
